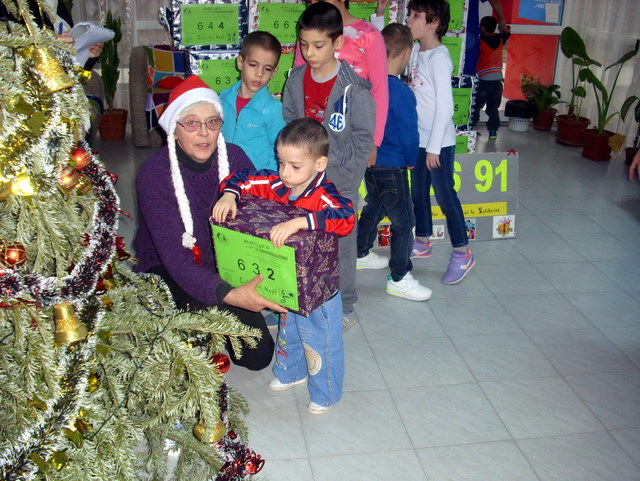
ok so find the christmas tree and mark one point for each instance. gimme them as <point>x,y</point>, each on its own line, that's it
<point>100,376</point>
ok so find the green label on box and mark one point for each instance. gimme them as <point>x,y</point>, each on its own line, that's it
<point>454,44</point>
<point>280,20</point>
<point>364,10</point>
<point>210,24</point>
<point>461,105</point>
<point>242,257</point>
<point>456,8</point>
<point>276,86</point>
<point>219,73</point>
<point>462,142</point>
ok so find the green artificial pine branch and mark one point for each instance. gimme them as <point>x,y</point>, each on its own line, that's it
<point>109,405</point>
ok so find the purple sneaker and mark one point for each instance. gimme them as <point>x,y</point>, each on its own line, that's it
<point>421,249</point>
<point>459,265</point>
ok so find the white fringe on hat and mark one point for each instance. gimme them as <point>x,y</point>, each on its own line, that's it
<point>168,121</point>
<point>188,240</point>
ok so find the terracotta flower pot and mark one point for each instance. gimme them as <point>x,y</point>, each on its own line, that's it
<point>570,130</point>
<point>544,119</point>
<point>595,146</point>
<point>113,124</point>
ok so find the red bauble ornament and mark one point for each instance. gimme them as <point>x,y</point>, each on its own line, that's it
<point>254,465</point>
<point>221,361</point>
<point>12,254</point>
<point>68,178</point>
<point>80,158</point>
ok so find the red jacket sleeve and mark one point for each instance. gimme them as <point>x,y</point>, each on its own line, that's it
<point>333,213</point>
<point>257,183</point>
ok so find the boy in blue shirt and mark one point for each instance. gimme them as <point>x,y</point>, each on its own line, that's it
<point>388,182</point>
<point>253,118</point>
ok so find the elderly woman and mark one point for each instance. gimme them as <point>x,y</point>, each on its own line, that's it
<point>177,188</point>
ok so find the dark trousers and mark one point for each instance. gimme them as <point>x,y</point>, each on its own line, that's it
<point>253,359</point>
<point>443,185</point>
<point>388,194</point>
<point>489,93</point>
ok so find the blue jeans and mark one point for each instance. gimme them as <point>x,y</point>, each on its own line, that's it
<point>388,194</point>
<point>313,346</point>
<point>489,93</point>
<point>442,179</point>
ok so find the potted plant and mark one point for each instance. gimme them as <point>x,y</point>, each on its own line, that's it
<point>113,124</point>
<point>544,97</point>
<point>571,125</point>
<point>631,151</point>
<point>596,141</point>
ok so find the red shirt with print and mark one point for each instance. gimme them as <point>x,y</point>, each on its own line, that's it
<point>316,95</point>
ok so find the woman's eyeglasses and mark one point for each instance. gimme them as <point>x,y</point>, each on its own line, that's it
<point>195,125</point>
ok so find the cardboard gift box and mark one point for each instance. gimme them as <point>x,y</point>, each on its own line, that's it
<point>300,276</point>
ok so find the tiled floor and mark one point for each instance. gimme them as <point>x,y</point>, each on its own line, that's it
<point>529,370</point>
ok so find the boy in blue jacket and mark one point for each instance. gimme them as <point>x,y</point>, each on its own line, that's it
<point>387,182</point>
<point>253,118</point>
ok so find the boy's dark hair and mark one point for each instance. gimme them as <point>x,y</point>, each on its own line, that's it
<point>489,24</point>
<point>263,40</point>
<point>434,10</point>
<point>306,134</point>
<point>323,17</point>
<point>397,39</point>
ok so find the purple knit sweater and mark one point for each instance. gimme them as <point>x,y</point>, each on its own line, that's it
<point>158,240</point>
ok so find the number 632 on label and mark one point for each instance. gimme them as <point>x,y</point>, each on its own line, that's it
<point>268,273</point>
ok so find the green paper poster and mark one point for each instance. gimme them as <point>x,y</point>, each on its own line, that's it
<point>456,7</point>
<point>276,86</point>
<point>210,24</point>
<point>280,20</point>
<point>454,44</point>
<point>364,10</point>
<point>241,257</point>
<point>461,144</point>
<point>461,105</point>
<point>219,73</point>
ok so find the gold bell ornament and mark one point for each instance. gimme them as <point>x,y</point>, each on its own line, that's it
<point>216,435</point>
<point>68,328</point>
<point>84,185</point>
<point>53,75</point>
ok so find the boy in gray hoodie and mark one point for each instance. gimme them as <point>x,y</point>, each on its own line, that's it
<point>329,91</point>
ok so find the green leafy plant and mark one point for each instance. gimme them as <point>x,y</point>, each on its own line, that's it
<point>109,59</point>
<point>603,95</point>
<point>543,96</point>
<point>573,47</point>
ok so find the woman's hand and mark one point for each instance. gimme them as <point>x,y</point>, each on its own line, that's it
<point>281,232</point>
<point>433,160</point>
<point>226,204</point>
<point>66,38</point>
<point>382,4</point>
<point>635,165</point>
<point>95,50</point>
<point>246,297</point>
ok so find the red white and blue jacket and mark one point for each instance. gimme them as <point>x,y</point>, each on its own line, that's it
<point>329,211</point>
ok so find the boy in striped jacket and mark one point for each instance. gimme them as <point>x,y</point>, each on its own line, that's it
<point>309,348</point>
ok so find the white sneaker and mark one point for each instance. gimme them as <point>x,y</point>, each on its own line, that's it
<point>276,385</point>
<point>314,408</point>
<point>372,261</point>
<point>409,288</point>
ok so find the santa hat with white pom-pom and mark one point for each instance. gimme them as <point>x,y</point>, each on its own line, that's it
<point>190,92</point>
